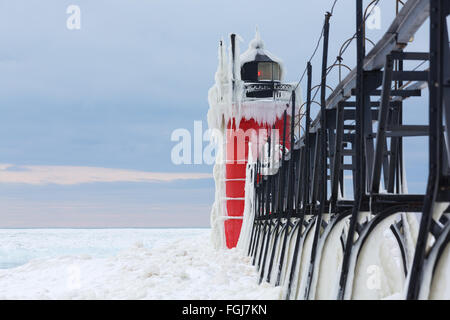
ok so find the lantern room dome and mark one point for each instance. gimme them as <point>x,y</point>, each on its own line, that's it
<point>259,65</point>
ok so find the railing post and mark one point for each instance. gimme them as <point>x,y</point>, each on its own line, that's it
<point>280,210</point>
<point>290,195</point>
<point>382,123</point>
<point>360,171</point>
<point>305,197</point>
<point>323,154</point>
<point>435,86</point>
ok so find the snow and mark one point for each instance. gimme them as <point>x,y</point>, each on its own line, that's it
<point>219,98</point>
<point>277,255</point>
<point>330,263</point>
<point>379,271</point>
<point>436,269</point>
<point>218,208</point>
<point>249,210</point>
<point>411,231</point>
<point>376,270</point>
<point>290,247</point>
<point>180,267</point>
<point>301,274</point>
<point>440,286</point>
<point>289,262</point>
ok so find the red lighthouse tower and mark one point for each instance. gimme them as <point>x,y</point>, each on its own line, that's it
<point>259,102</point>
<point>247,104</point>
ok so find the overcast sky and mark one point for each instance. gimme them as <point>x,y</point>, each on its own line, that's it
<point>86,115</point>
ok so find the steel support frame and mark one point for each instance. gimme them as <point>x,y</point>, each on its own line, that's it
<point>374,159</point>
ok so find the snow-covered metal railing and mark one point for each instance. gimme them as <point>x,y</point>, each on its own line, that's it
<point>278,91</point>
<point>317,244</point>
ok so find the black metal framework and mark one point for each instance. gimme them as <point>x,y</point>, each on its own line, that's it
<point>275,90</point>
<point>306,192</point>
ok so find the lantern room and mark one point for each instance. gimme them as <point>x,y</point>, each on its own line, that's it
<point>261,72</point>
<point>261,69</point>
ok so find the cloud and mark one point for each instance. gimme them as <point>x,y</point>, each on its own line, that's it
<point>71,175</point>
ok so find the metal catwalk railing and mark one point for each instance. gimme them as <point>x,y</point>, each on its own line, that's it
<point>306,193</point>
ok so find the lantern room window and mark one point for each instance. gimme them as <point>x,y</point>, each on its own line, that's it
<point>268,71</point>
<point>260,71</point>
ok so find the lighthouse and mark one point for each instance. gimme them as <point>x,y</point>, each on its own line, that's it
<point>247,106</point>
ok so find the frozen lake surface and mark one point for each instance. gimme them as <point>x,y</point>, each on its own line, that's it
<point>123,264</point>
<point>18,246</point>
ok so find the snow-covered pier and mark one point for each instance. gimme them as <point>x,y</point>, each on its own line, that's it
<point>329,216</point>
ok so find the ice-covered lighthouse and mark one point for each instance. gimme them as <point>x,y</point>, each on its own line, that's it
<point>247,105</point>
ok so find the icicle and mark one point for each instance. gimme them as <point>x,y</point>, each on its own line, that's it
<point>235,79</point>
<point>257,43</point>
<point>219,101</point>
